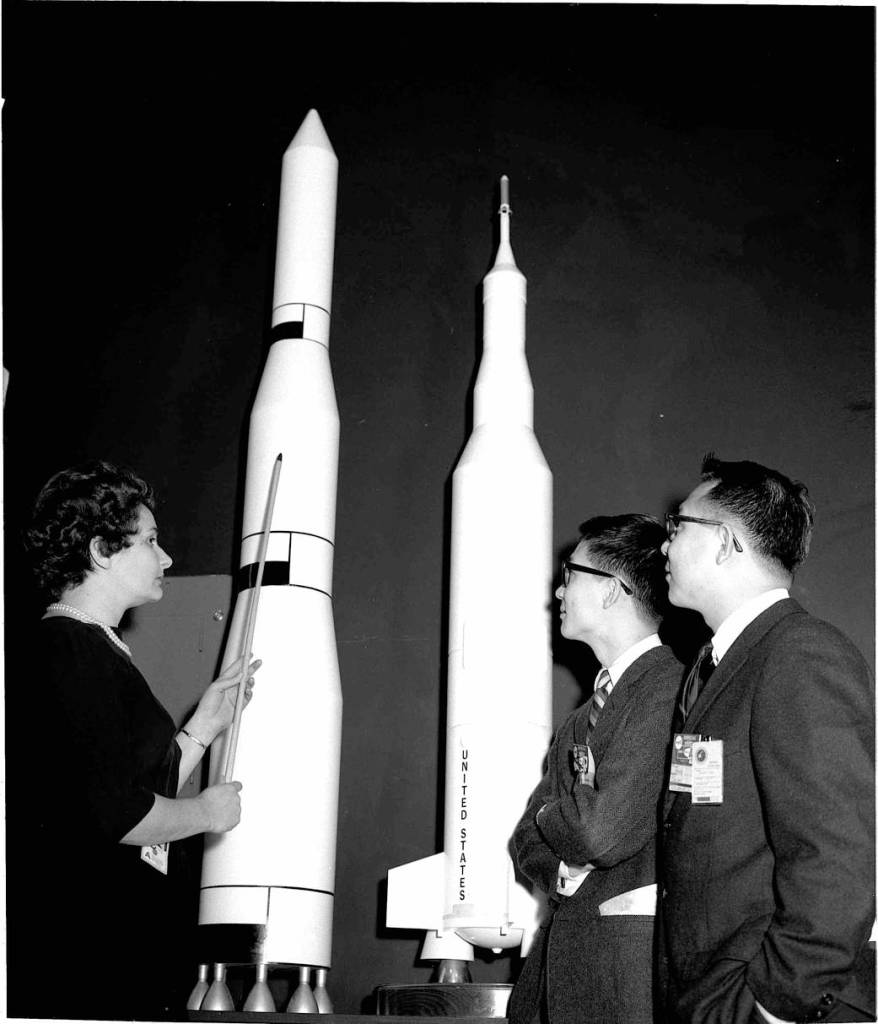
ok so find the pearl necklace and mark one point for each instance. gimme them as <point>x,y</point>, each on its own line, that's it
<point>68,609</point>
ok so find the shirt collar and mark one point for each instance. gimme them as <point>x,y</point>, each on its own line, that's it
<point>735,624</point>
<point>627,658</point>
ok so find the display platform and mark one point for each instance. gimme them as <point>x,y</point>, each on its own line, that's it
<point>249,1015</point>
<point>316,1018</point>
<point>460,999</point>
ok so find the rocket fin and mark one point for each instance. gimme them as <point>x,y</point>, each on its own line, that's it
<point>415,894</point>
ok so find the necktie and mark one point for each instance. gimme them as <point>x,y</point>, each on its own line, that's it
<point>599,698</point>
<point>697,677</point>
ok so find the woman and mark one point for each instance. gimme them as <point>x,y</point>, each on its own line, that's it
<point>102,794</point>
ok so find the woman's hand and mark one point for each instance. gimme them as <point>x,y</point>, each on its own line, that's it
<point>216,709</point>
<point>222,806</point>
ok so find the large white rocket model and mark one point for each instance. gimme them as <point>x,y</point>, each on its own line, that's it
<point>499,706</point>
<point>267,886</point>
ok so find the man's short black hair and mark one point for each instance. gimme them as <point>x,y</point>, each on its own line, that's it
<point>629,546</point>
<point>774,510</point>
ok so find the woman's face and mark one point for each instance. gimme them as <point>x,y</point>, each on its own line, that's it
<point>138,569</point>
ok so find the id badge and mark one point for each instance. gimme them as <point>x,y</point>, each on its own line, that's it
<point>707,772</point>
<point>156,856</point>
<point>680,780</point>
<point>583,764</point>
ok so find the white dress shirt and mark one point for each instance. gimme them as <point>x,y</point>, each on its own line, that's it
<point>734,625</point>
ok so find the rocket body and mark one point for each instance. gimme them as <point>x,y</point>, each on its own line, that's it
<point>270,881</point>
<point>499,711</point>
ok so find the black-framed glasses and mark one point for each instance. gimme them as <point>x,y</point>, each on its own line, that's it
<point>673,520</point>
<point>569,567</point>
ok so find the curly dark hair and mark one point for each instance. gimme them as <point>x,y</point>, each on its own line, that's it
<point>92,500</point>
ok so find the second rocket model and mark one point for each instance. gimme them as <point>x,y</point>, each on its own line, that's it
<point>499,709</point>
<point>267,886</point>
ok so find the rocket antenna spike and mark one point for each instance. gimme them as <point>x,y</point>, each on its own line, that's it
<point>250,626</point>
<point>504,194</point>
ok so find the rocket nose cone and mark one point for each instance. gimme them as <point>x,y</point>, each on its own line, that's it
<point>312,133</point>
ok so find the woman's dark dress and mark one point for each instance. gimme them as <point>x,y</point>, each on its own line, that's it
<point>94,931</point>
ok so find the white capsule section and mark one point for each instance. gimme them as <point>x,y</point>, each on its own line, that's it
<point>276,870</point>
<point>309,185</point>
<point>499,711</point>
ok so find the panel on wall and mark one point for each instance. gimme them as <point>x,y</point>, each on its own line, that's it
<point>177,642</point>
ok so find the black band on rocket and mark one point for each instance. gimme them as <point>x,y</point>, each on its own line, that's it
<point>275,574</point>
<point>287,329</point>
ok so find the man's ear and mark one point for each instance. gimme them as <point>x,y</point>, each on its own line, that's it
<point>97,551</point>
<point>611,594</point>
<point>727,544</point>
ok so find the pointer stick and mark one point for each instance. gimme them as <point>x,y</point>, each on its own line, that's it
<point>232,748</point>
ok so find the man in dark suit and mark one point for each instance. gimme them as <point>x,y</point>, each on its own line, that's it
<point>768,859</point>
<point>588,836</point>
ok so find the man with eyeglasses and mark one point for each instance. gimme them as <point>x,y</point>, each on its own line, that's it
<point>588,835</point>
<point>768,853</point>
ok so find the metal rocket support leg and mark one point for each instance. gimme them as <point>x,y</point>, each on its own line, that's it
<point>218,997</point>
<point>321,996</point>
<point>196,996</point>
<point>302,1000</point>
<point>260,998</point>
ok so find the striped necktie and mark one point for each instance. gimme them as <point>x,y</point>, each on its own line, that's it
<point>602,687</point>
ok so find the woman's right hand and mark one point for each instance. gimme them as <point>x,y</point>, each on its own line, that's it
<point>222,804</point>
<point>216,709</point>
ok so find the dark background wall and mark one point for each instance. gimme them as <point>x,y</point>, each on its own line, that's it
<point>693,208</point>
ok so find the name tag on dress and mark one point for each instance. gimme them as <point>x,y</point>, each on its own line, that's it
<point>156,856</point>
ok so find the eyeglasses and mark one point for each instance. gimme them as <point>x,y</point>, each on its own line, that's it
<point>569,567</point>
<point>673,520</point>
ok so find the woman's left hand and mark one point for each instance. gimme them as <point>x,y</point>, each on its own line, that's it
<point>216,709</point>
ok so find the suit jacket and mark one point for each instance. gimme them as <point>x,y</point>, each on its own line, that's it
<point>769,895</point>
<point>588,966</point>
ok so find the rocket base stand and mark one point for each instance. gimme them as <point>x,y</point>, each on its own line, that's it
<point>464,999</point>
